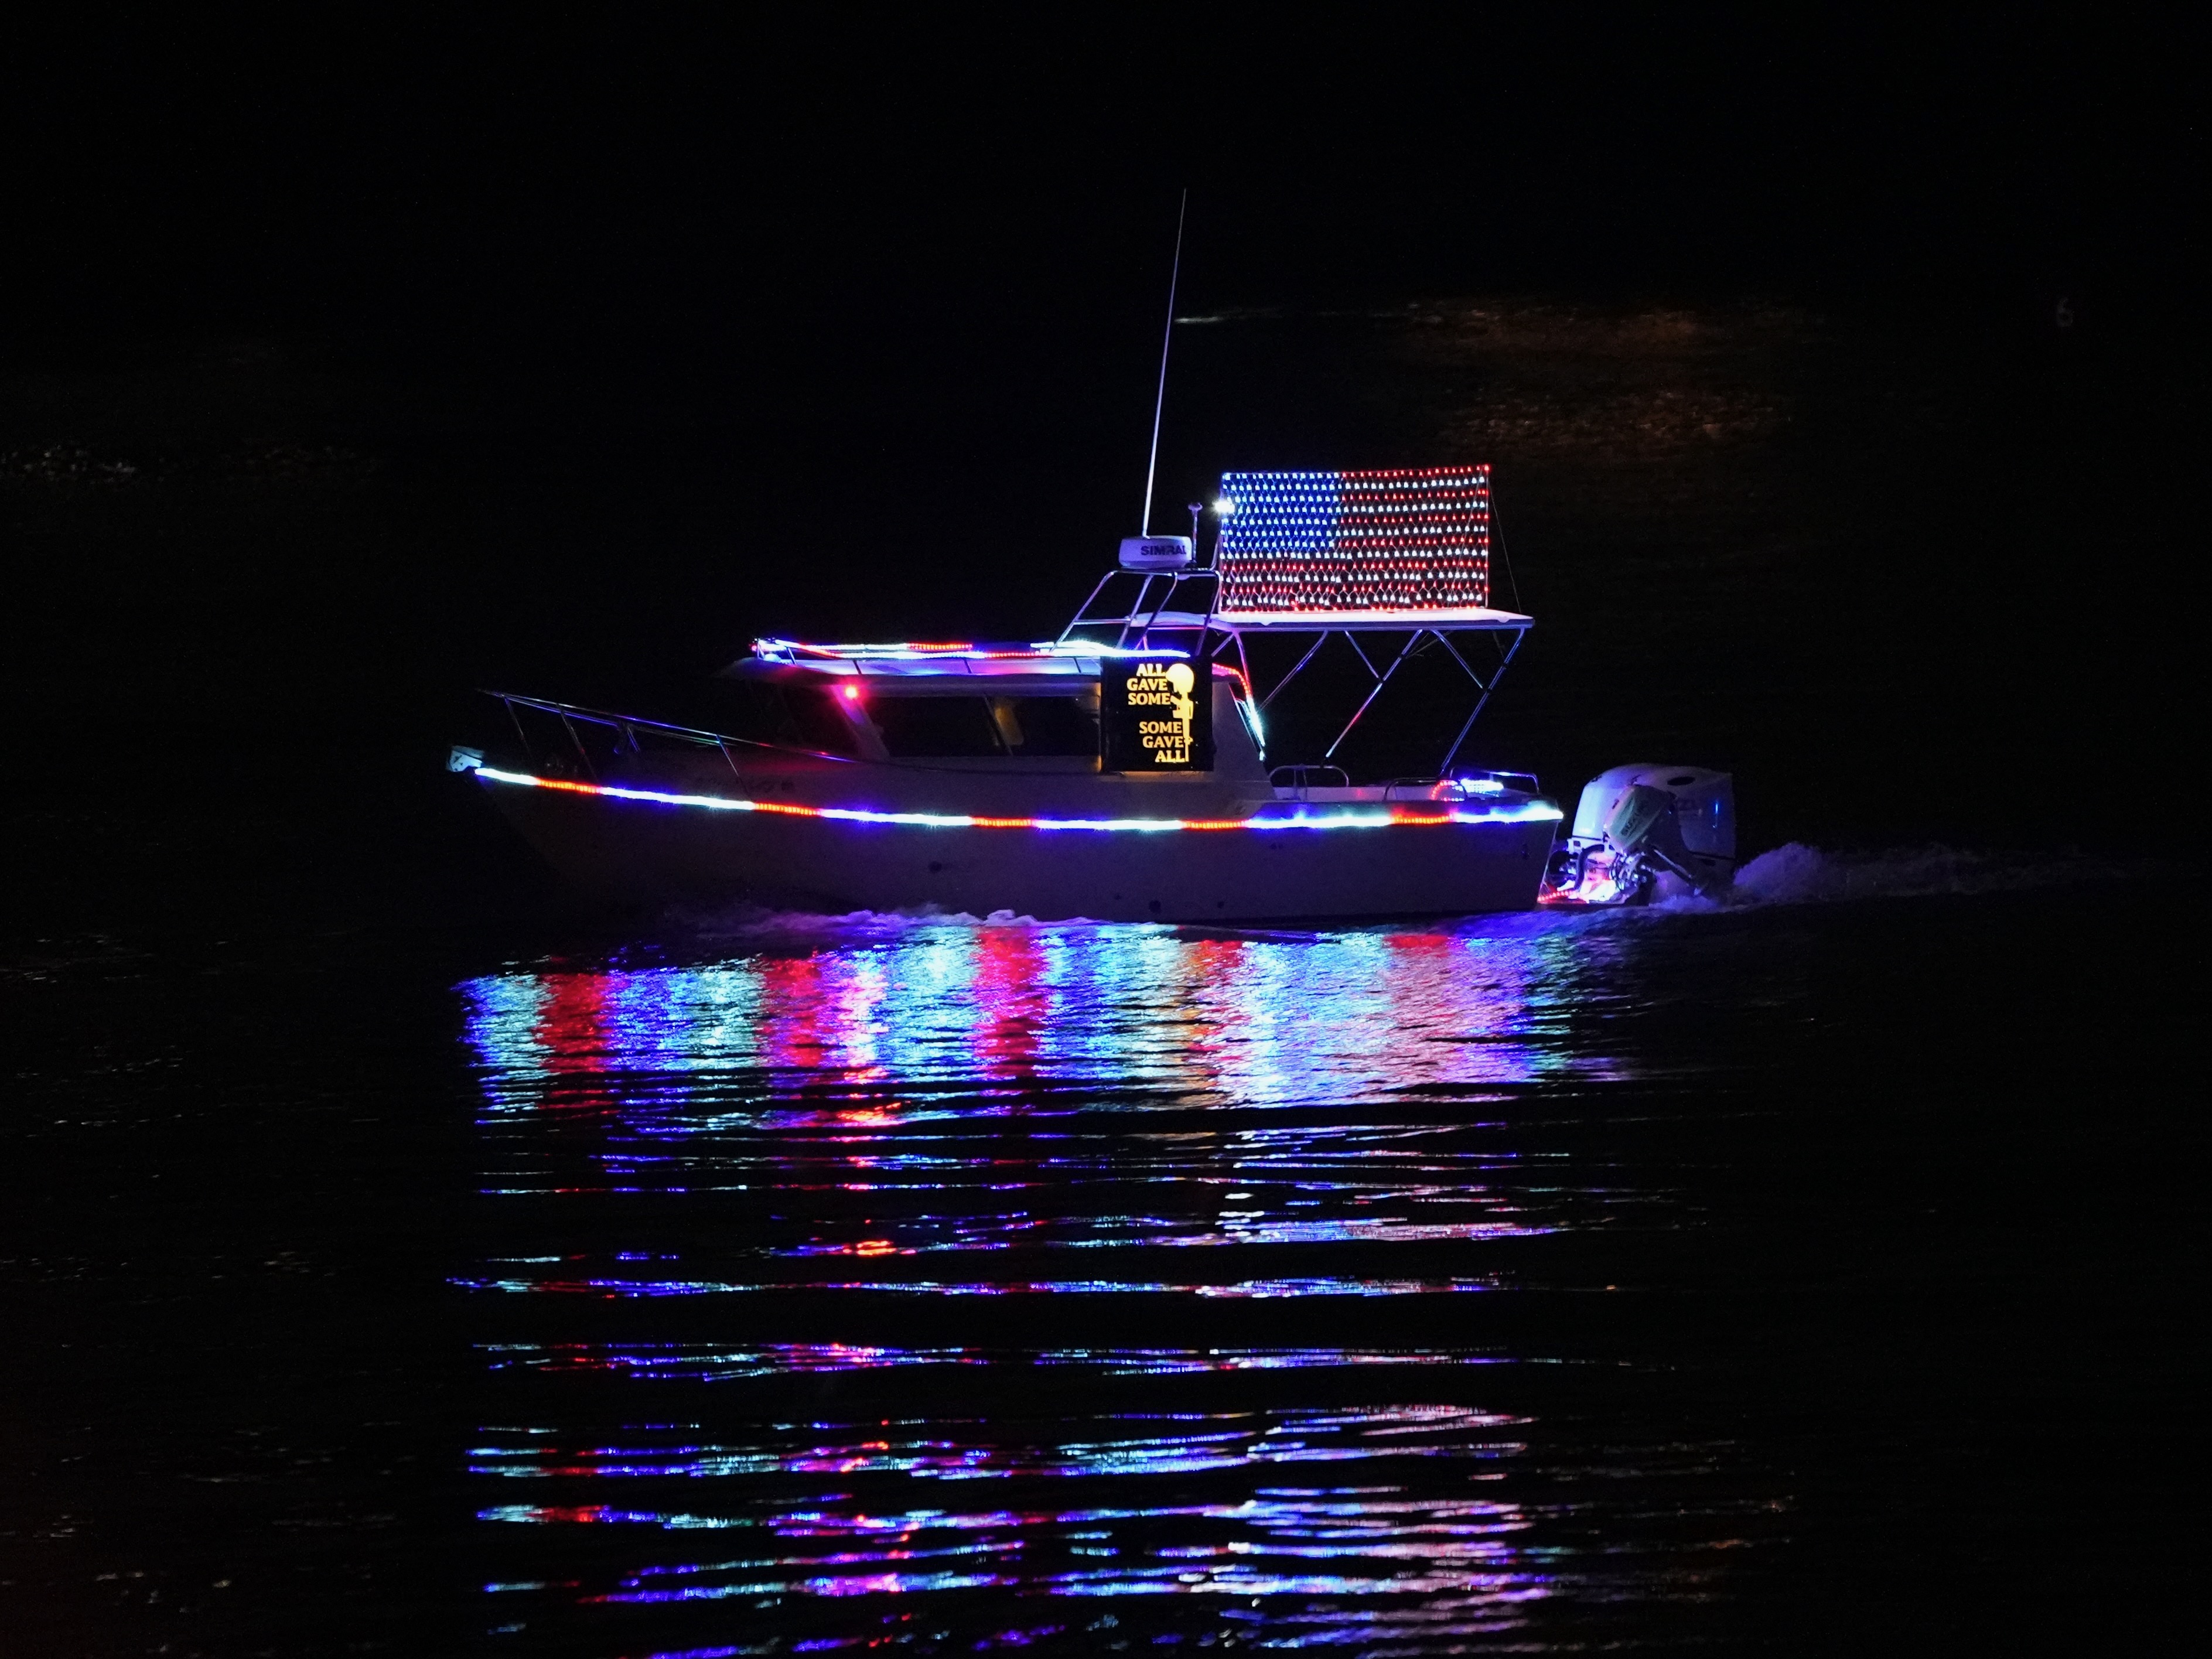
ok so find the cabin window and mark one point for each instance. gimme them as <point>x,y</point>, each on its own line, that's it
<point>795,716</point>
<point>1046,726</point>
<point>948,729</point>
<point>818,720</point>
<point>939,728</point>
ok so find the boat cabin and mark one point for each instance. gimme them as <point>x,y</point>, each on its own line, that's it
<point>1052,707</point>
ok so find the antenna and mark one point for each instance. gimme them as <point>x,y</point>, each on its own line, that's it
<point>1167,339</point>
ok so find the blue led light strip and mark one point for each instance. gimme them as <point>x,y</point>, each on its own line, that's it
<point>1371,818</point>
<point>1351,543</point>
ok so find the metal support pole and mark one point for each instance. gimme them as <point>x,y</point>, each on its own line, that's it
<point>1144,593</point>
<point>1167,339</point>
<point>582,753</point>
<point>1320,639</point>
<point>1382,680</point>
<point>1352,640</point>
<point>520,736</point>
<point>1452,754</point>
<point>1462,661</point>
<point>1167,598</point>
<point>1084,610</point>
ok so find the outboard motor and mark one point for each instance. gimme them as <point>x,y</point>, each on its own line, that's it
<point>1641,831</point>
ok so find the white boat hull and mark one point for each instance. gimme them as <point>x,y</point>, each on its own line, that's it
<point>649,851</point>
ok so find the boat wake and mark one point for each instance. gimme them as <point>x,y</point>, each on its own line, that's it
<point>1795,874</point>
<point>755,926</point>
<point>1791,874</point>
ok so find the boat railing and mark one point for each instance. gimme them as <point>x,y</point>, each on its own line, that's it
<point>1525,782</point>
<point>1310,783</point>
<point>617,735</point>
<point>1297,782</point>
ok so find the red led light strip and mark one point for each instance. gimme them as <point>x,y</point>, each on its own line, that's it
<point>1348,543</point>
<point>1378,817</point>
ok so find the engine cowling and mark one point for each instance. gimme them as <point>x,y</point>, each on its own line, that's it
<point>1641,829</point>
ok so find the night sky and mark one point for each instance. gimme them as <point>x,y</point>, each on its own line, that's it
<point>353,364</point>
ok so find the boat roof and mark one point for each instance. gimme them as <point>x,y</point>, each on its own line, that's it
<point>981,658</point>
<point>1076,657</point>
<point>1368,620</point>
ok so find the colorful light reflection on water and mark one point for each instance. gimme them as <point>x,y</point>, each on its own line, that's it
<point>796,1246</point>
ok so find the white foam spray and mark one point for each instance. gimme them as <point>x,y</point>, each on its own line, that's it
<point>1795,874</point>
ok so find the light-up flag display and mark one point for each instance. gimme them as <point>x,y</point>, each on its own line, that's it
<point>1352,542</point>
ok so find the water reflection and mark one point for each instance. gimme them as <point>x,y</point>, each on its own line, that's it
<point>1102,1143</point>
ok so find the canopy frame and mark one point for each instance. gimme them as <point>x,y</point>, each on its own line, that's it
<point>1154,611</point>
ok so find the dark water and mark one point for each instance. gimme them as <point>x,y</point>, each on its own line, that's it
<point>1797,1275</point>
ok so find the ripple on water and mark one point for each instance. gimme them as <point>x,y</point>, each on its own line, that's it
<point>1025,1136</point>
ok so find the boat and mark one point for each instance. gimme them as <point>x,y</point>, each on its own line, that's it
<point>1121,771</point>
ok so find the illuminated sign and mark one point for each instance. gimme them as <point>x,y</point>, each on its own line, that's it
<point>1341,541</point>
<point>1156,715</point>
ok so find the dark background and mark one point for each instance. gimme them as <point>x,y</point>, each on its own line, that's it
<point>356,361</point>
<point>353,360</point>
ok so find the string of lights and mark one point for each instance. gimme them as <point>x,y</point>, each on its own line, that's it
<point>1407,540</point>
<point>1294,818</point>
<point>1049,651</point>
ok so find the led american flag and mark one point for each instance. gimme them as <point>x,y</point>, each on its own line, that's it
<point>1352,542</point>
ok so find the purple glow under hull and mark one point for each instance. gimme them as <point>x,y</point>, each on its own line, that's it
<point>644,851</point>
